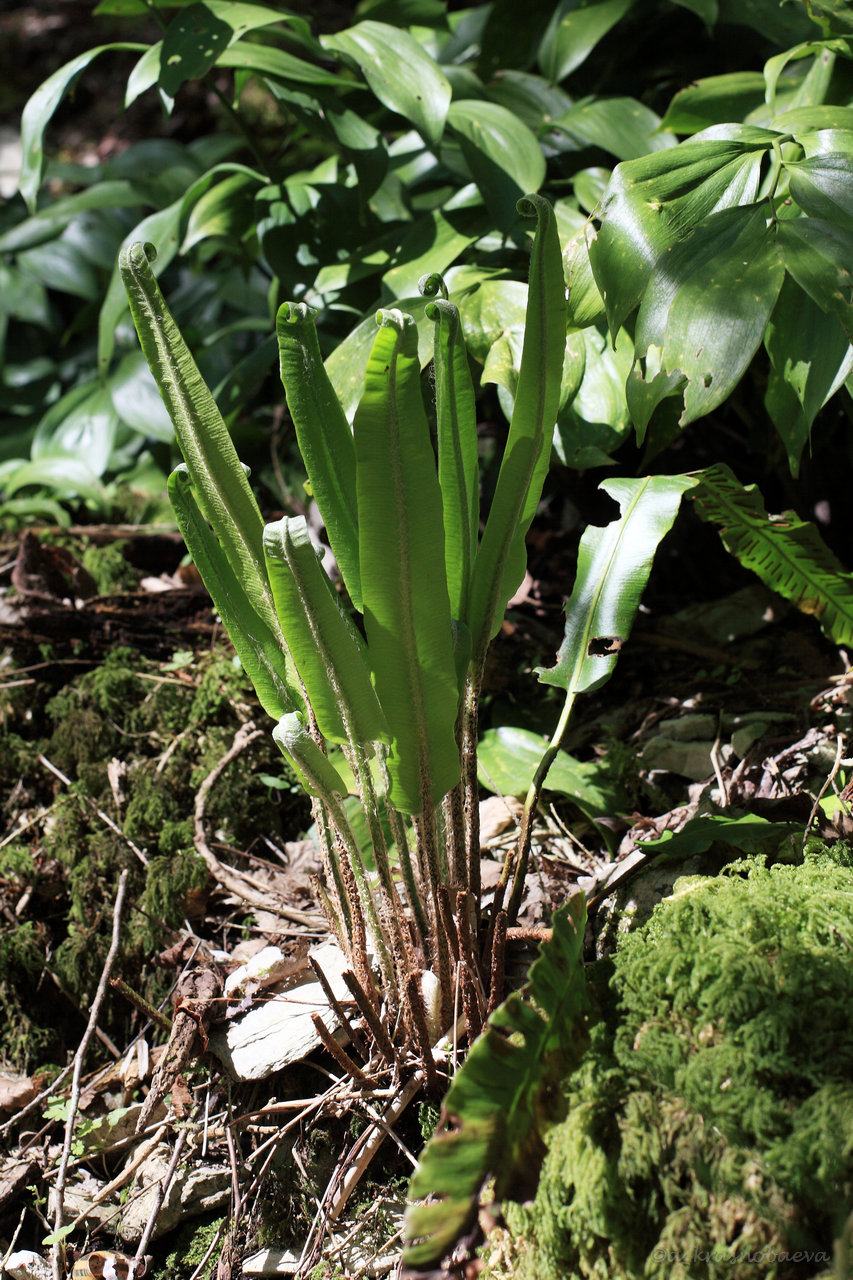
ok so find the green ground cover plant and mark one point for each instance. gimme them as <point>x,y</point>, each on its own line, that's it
<point>708,1130</point>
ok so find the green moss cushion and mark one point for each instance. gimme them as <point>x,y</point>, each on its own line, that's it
<point>710,1130</point>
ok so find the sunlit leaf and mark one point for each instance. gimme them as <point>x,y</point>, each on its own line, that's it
<point>39,110</point>
<point>326,649</point>
<point>324,436</point>
<point>405,599</point>
<point>399,72</point>
<point>652,203</point>
<point>502,154</point>
<point>707,305</point>
<point>624,127</point>
<point>614,563</point>
<point>574,31</point>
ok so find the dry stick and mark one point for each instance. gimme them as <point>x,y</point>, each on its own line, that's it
<point>338,1009</point>
<point>417,1015</point>
<point>59,1190</point>
<point>139,1002</point>
<point>372,1142</point>
<point>141,1154</point>
<point>244,886</point>
<point>496,983</point>
<point>371,1017</point>
<point>338,1052</point>
<point>105,817</point>
<point>839,751</point>
<point>165,1183</point>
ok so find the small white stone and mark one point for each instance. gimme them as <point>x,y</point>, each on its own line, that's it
<point>26,1265</point>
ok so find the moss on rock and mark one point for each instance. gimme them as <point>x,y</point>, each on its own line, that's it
<point>710,1127</point>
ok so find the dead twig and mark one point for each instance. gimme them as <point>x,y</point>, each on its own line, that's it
<point>836,765</point>
<point>246,887</point>
<point>105,817</point>
<point>59,1190</point>
<point>165,1183</point>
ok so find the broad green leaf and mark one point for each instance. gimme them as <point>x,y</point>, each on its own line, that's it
<point>328,657</point>
<point>52,220</point>
<point>808,93</point>
<point>59,264</point>
<point>504,1097</point>
<point>707,305</point>
<point>87,431</point>
<point>613,567</point>
<point>432,244</point>
<point>822,187</point>
<point>714,100</point>
<point>345,365</point>
<point>324,436</point>
<point>491,311</point>
<point>258,645</point>
<point>507,758</point>
<point>365,146</point>
<point>68,476</point>
<point>39,110</point>
<point>622,126</point>
<point>586,305</point>
<point>529,97</point>
<point>747,832</point>
<point>161,229</point>
<point>574,31</point>
<point>267,60</point>
<point>198,38</point>
<point>136,399</point>
<point>652,203</point>
<point>217,476</point>
<point>787,554</point>
<point>193,40</point>
<point>833,16</point>
<point>144,75</point>
<point>599,400</point>
<point>503,155</point>
<point>819,256</point>
<point>226,209</point>
<point>501,559</point>
<point>403,581</point>
<point>458,470</point>
<point>810,357</point>
<point>399,72</point>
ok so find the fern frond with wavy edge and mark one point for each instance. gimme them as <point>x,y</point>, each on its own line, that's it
<point>505,1097</point>
<point>785,552</point>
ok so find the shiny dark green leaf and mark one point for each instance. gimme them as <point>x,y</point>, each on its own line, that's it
<point>708,302</point>
<point>652,203</point>
<point>503,155</point>
<point>400,73</point>
<point>714,100</point>
<point>574,31</point>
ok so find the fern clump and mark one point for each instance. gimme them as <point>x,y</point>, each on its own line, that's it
<point>710,1127</point>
